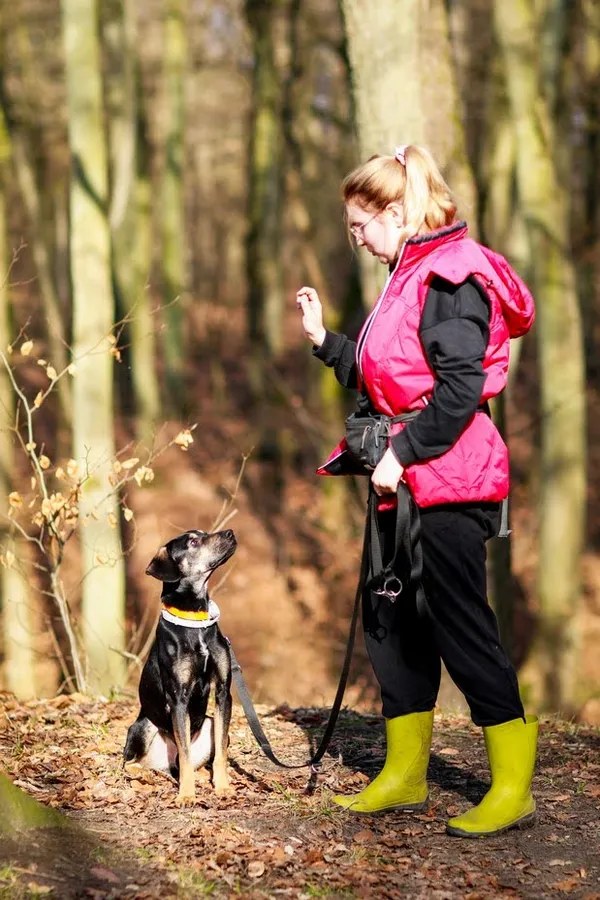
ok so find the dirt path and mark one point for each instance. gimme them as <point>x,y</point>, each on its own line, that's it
<point>279,837</point>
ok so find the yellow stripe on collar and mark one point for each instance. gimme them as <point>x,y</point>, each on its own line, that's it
<point>186,614</point>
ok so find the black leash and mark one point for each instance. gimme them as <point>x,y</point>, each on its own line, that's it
<point>246,700</point>
<point>379,578</point>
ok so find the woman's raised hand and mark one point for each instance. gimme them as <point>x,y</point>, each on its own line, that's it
<point>308,301</point>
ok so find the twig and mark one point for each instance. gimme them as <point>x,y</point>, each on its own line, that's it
<point>59,654</point>
<point>222,518</point>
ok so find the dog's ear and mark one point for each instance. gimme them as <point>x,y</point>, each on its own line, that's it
<point>163,567</point>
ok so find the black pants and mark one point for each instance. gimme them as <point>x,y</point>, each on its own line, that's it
<point>461,629</point>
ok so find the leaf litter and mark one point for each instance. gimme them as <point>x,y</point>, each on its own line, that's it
<point>280,835</point>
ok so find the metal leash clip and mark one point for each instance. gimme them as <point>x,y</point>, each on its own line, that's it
<point>387,591</point>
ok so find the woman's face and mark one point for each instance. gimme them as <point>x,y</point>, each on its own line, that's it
<point>379,231</point>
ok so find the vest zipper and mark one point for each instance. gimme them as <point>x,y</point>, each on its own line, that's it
<point>362,339</point>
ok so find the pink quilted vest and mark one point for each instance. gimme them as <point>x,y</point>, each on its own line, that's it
<point>393,367</point>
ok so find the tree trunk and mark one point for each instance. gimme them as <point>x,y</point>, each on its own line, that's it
<point>587,162</point>
<point>544,202</point>
<point>504,229</point>
<point>103,594</point>
<point>265,189</point>
<point>331,396</point>
<point>172,212</point>
<point>30,193</point>
<point>17,626</point>
<point>130,210</point>
<point>404,85</point>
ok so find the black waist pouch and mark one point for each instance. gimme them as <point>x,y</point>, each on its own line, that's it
<point>368,432</point>
<point>367,437</point>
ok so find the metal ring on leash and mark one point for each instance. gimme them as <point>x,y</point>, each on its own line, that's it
<point>386,590</point>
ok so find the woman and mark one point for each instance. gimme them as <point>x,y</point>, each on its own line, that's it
<point>436,345</point>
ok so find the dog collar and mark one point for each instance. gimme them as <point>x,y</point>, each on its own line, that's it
<point>192,619</point>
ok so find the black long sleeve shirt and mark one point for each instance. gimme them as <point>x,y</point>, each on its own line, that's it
<point>454,331</point>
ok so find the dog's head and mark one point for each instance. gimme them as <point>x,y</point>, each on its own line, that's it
<point>193,554</point>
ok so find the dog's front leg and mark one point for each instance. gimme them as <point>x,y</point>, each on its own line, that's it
<point>222,720</point>
<point>181,733</point>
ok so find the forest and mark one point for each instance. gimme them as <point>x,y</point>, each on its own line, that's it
<point>170,176</point>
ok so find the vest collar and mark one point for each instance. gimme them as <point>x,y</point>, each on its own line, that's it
<point>418,247</point>
<point>190,619</point>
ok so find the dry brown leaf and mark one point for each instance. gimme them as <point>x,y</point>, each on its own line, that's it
<point>363,837</point>
<point>566,886</point>
<point>256,869</point>
<point>105,874</point>
<point>184,439</point>
<point>279,857</point>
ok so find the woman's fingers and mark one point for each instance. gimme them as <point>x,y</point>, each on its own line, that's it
<point>381,489</point>
<point>307,294</point>
<point>308,301</point>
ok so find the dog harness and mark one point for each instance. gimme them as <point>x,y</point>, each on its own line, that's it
<point>190,619</point>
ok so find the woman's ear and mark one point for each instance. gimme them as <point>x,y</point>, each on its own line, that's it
<point>396,210</point>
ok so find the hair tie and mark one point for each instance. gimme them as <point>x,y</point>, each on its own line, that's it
<point>400,154</point>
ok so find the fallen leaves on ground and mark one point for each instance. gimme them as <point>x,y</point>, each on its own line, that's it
<point>280,835</point>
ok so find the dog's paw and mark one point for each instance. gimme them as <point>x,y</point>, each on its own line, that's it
<point>224,789</point>
<point>133,769</point>
<point>182,800</point>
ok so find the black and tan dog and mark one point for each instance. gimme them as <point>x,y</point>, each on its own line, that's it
<point>172,732</point>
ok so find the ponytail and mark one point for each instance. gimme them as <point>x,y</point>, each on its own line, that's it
<point>412,178</point>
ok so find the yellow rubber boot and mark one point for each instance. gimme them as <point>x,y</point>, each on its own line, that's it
<point>509,803</point>
<point>402,783</point>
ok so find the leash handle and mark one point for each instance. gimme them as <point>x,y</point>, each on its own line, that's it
<point>383,580</point>
<point>246,700</point>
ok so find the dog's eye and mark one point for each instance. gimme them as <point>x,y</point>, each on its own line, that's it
<point>194,542</point>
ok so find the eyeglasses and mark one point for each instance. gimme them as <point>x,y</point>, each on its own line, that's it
<point>357,231</point>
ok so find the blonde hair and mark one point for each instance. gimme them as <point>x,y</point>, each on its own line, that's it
<point>416,184</point>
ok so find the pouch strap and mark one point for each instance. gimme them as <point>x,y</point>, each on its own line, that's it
<point>504,529</point>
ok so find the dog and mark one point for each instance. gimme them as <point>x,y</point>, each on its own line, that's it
<point>172,732</point>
